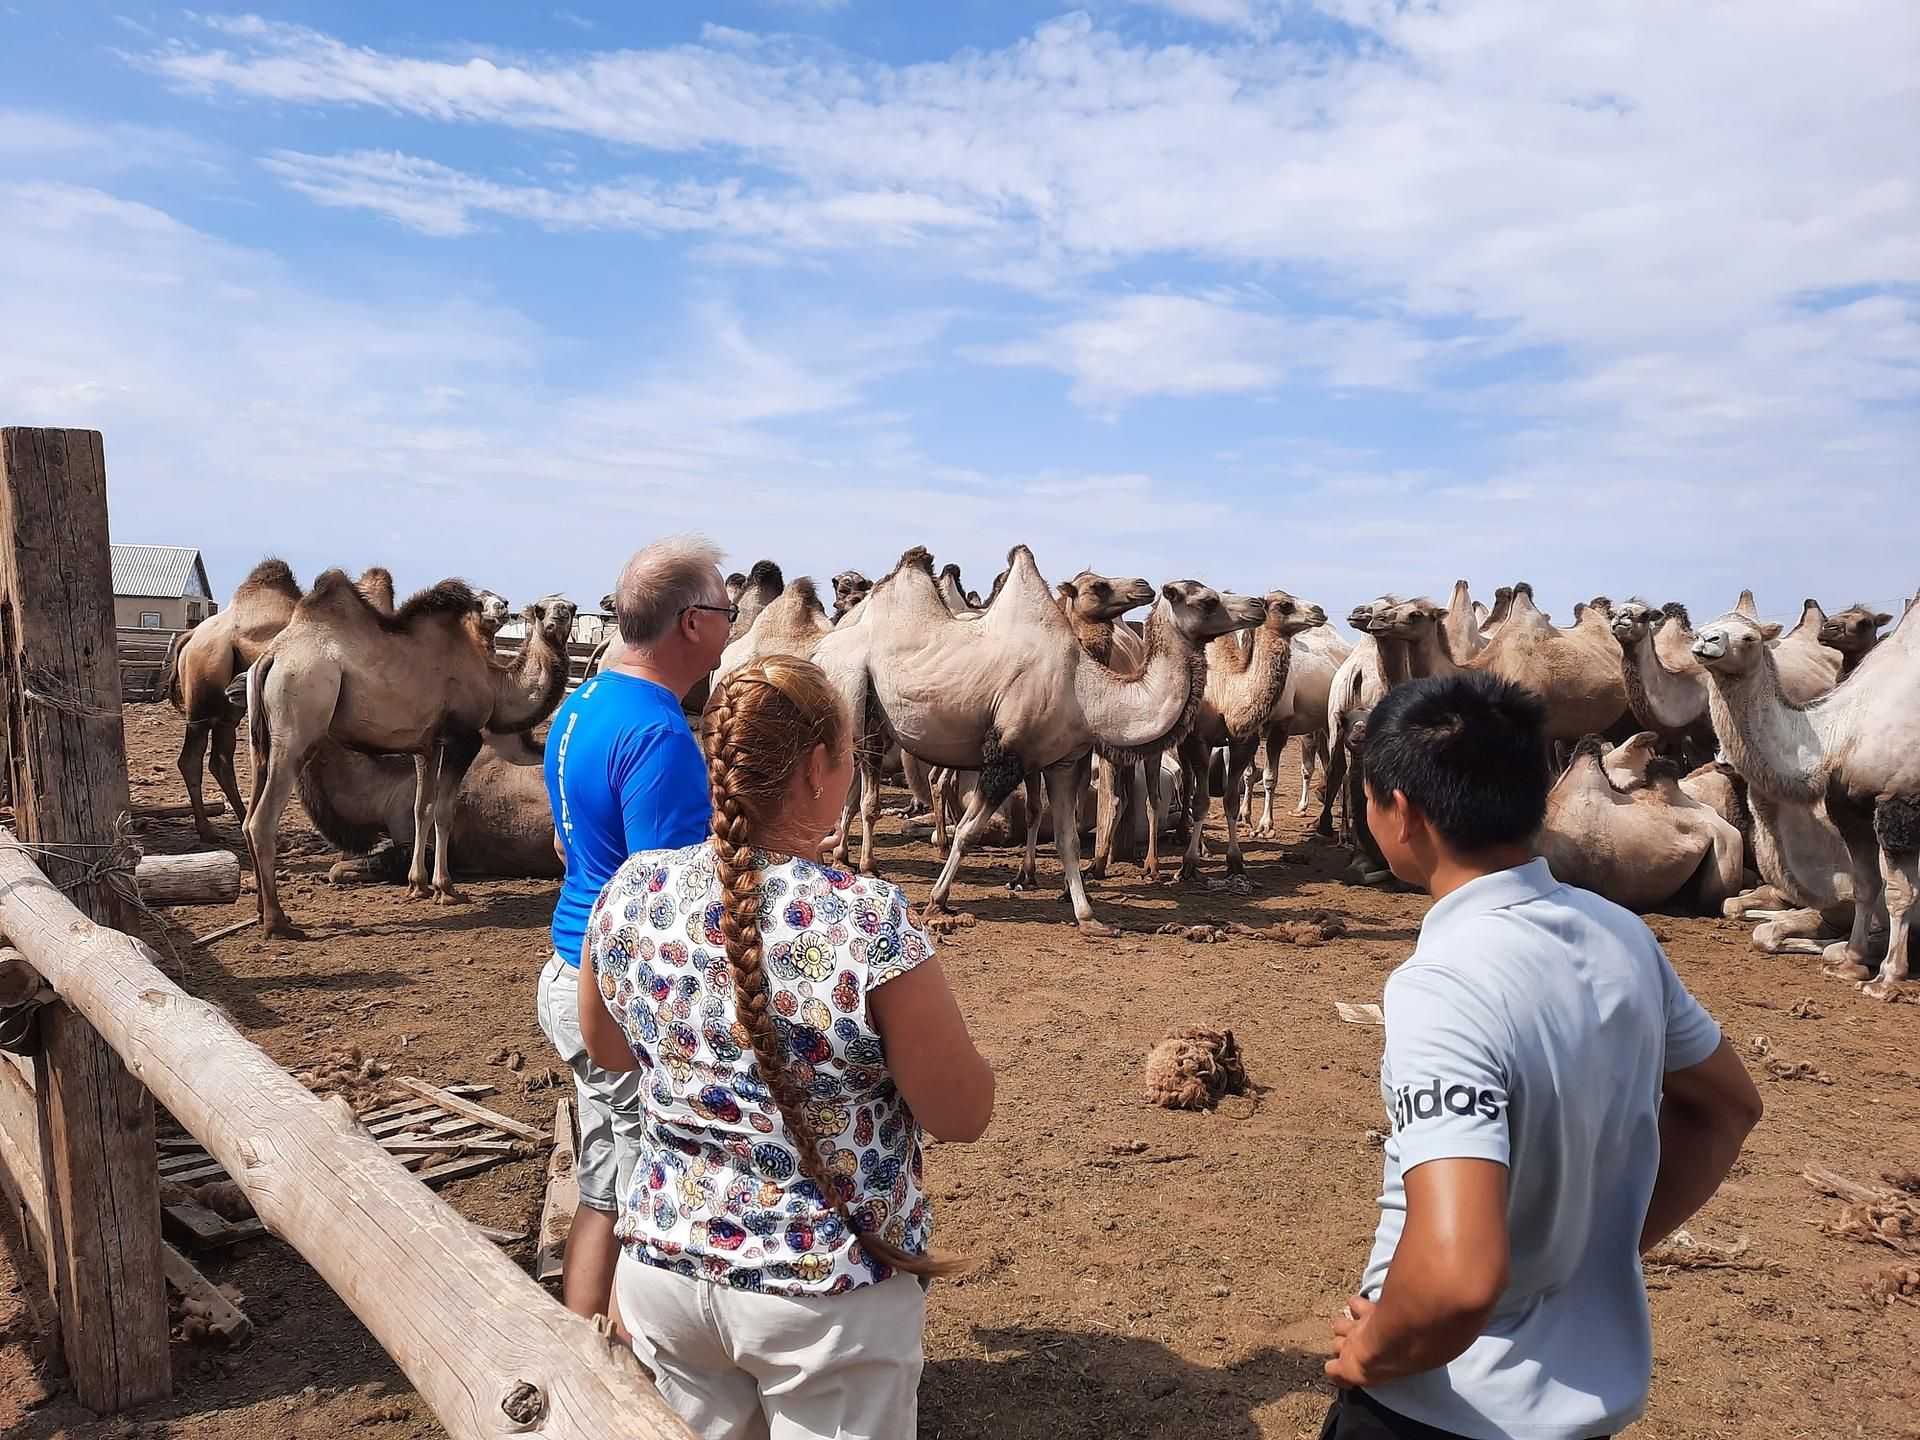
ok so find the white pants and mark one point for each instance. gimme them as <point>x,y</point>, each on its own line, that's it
<point>739,1366</point>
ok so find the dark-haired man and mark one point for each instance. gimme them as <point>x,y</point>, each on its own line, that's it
<point>1558,1103</point>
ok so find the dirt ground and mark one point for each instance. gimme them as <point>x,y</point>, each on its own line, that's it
<point>1144,1272</point>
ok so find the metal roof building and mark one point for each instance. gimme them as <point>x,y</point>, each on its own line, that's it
<point>166,571</point>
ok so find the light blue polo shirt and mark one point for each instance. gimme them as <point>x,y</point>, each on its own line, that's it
<point>1532,1026</point>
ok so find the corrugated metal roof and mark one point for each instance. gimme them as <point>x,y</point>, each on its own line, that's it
<point>160,570</point>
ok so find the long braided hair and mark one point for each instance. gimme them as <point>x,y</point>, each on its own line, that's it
<point>761,724</point>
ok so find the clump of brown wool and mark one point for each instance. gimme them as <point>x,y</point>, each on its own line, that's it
<point>1192,1069</point>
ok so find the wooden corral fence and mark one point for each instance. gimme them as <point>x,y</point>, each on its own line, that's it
<point>508,647</point>
<point>143,662</point>
<point>486,1347</point>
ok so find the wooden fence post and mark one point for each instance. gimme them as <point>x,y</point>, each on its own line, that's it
<point>59,671</point>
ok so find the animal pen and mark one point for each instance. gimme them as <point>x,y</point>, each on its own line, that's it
<point>485,1346</point>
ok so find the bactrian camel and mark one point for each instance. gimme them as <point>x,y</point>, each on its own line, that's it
<point>421,681</point>
<point>1669,698</point>
<point>1243,686</point>
<point>1853,632</point>
<point>761,588</point>
<point>1318,654</point>
<point>1641,848</point>
<point>363,804</point>
<point>1014,691</point>
<point>1374,666</point>
<point>792,624</point>
<point>1856,748</point>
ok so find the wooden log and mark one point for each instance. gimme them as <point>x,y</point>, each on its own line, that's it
<point>21,1178</point>
<point>490,1352</point>
<point>220,1315</point>
<point>209,877</point>
<point>175,812</point>
<point>60,684</point>
<point>473,1110</point>
<point>563,1194</point>
<point>226,930</point>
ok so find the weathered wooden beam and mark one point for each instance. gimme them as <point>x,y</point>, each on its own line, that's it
<point>473,1110</point>
<point>485,1345</point>
<point>20,1175</point>
<point>210,877</point>
<point>175,812</point>
<point>60,683</point>
<point>203,1301</point>
<point>563,1194</point>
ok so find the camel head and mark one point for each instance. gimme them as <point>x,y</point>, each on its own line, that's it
<point>1854,630</point>
<point>1096,598</point>
<point>490,612</point>
<point>1633,619</point>
<point>1734,644</point>
<point>1202,613</point>
<point>1361,616</point>
<point>1290,615</point>
<point>552,616</point>
<point>850,587</point>
<point>1412,621</point>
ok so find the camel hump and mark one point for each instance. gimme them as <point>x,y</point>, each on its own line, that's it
<point>806,592</point>
<point>766,572</point>
<point>917,558</point>
<point>1674,610</point>
<point>1590,747</point>
<point>452,596</point>
<point>1664,767</point>
<point>271,574</point>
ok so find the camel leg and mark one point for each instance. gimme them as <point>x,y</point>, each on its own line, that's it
<point>263,843</point>
<point>1269,779</point>
<point>1155,781</point>
<point>1064,784</point>
<point>1896,822</point>
<point>1787,932</point>
<point>426,769</point>
<point>1029,876</point>
<point>1239,759</point>
<point>1107,817</point>
<point>1197,761</point>
<point>457,754</point>
<point>1847,960</point>
<point>1312,748</point>
<point>193,749</point>
<point>226,738</point>
<point>1000,776</point>
<point>838,855</point>
<point>869,804</point>
<point>1333,785</point>
<point>918,782</point>
<point>287,716</point>
<point>940,793</point>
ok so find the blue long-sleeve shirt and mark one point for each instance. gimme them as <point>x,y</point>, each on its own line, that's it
<point>624,774</point>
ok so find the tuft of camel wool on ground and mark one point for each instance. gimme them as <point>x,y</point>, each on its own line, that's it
<point>1143,1272</point>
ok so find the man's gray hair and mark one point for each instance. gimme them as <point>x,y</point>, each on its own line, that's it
<point>662,581</point>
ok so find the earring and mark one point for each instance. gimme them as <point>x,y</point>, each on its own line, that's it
<point>817,790</point>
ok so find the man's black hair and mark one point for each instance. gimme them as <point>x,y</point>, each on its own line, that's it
<point>1470,751</point>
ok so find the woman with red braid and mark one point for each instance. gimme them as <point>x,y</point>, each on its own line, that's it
<point>795,1035</point>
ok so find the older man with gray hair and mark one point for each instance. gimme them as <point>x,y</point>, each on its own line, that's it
<point>624,774</point>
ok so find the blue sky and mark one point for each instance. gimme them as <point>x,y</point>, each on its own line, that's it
<point>1343,297</point>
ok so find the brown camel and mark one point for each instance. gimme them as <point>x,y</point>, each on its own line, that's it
<point>1853,632</point>
<point>1464,619</point>
<point>850,587</point>
<point>1576,670</point>
<point>1014,691</point>
<point>1243,686</point>
<point>203,662</point>
<point>1857,749</point>
<point>421,681</point>
<point>1808,669</point>
<point>1669,699</point>
<point>1642,848</point>
<point>363,804</point>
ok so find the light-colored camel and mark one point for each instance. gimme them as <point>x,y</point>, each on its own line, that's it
<point>1243,686</point>
<point>1669,699</point>
<point>792,625</point>
<point>1464,619</point>
<point>1317,657</point>
<point>762,586</point>
<point>1014,691</point>
<point>363,804</point>
<point>203,662</point>
<point>421,681</point>
<point>955,593</point>
<point>1374,666</point>
<point>1808,669</point>
<point>1857,749</point>
<point>1852,632</point>
<point>1643,848</point>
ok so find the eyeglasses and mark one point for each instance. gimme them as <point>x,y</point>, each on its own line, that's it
<point>732,612</point>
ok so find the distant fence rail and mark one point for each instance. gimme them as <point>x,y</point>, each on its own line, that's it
<point>143,661</point>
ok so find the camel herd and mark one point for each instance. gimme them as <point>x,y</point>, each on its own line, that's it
<point>1734,769</point>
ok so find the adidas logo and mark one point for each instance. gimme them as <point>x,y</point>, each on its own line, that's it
<point>1424,1102</point>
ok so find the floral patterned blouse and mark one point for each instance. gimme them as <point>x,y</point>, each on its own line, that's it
<point>717,1191</point>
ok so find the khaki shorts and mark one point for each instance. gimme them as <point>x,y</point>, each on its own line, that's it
<point>740,1366</point>
<point>609,1104</point>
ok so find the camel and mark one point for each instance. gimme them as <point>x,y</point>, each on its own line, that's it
<point>1014,691</point>
<point>1374,666</point>
<point>1464,619</point>
<point>1669,699</point>
<point>1243,686</point>
<point>1808,669</point>
<point>1641,848</point>
<point>1856,748</point>
<point>1318,654</point>
<point>363,804</point>
<point>202,663</point>
<point>1853,632</point>
<point>760,588</point>
<point>850,587</point>
<point>1576,670</point>
<point>420,681</point>
<point>792,625</point>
